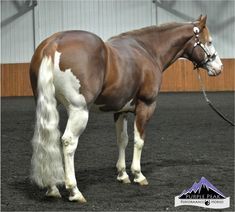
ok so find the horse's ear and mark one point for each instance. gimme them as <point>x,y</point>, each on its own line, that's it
<point>199,18</point>
<point>202,22</point>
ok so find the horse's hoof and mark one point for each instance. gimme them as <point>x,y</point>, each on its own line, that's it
<point>143,182</point>
<point>77,198</point>
<point>53,193</point>
<point>125,180</point>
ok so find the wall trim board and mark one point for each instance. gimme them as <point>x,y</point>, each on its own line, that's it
<point>179,77</point>
<point>15,80</point>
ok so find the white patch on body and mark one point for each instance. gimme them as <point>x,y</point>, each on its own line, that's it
<point>67,85</point>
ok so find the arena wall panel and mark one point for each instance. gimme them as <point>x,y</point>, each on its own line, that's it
<point>24,26</point>
<point>180,77</point>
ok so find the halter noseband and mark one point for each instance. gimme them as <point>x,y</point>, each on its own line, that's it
<point>209,57</point>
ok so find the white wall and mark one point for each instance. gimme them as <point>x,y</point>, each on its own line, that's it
<point>16,33</point>
<point>107,18</point>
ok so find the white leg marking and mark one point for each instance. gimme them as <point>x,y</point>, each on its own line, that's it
<point>76,124</point>
<point>122,141</point>
<point>68,91</point>
<point>135,167</point>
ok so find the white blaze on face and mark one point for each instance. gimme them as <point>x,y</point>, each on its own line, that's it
<point>214,67</point>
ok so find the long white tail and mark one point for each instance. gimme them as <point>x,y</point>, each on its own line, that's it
<point>47,164</point>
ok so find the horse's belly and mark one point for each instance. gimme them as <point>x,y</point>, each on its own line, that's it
<point>128,107</point>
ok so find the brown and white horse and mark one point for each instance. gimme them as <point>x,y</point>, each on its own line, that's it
<point>78,70</point>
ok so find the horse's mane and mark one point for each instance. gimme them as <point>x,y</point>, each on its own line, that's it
<point>149,29</point>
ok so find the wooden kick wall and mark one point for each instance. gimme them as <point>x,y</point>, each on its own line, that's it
<point>177,78</point>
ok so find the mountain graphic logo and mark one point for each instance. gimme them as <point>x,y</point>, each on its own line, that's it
<point>202,190</point>
<point>203,194</point>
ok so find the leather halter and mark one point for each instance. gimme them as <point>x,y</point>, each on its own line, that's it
<point>209,56</point>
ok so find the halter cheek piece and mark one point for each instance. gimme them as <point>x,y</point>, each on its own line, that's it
<point>209,57</point>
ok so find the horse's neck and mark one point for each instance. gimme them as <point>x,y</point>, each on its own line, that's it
<point>168,45</point>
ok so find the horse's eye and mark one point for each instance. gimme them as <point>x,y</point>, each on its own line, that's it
<point>210,43</point>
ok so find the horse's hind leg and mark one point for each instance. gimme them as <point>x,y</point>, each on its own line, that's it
<point>78,117</point>
<point>53,191</point>
<point>122,141</point>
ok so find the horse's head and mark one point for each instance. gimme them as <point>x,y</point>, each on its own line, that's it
<point>200,49</point>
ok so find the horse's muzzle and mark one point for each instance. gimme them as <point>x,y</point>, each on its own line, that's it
<point>215,72</point>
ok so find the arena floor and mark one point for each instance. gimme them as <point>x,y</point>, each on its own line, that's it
<point>185,141</point>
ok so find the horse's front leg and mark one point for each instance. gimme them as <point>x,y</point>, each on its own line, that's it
<point>143,114</point>
<point>122,141</point>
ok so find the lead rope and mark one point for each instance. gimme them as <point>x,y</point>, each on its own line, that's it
<point>210,103</point>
